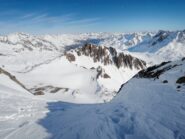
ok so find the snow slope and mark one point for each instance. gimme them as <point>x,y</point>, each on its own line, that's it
<point>118,69</point>
<point>145,108</point>
<point>18,108</point>
<point>72,83</point>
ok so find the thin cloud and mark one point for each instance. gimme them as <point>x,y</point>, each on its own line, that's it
<point>43,21</point>
<point>84,21</point>
<point>27,16</point>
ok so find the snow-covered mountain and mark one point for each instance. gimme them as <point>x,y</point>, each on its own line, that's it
<point>152,47</point>
<point>113,66</point>
<point>40,75</point>
<point>165,45</point>
<point>99,62</point>
<point>149,106</point>
<point>82,78</point>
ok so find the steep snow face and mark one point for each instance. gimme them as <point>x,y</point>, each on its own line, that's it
<point>157,99</point>
<point>149,106</point>
<point>8,83</point>
<point>113,66</point>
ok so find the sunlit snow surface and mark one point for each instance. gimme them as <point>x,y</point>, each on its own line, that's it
<point>143,109</point>
<point>22,52</point>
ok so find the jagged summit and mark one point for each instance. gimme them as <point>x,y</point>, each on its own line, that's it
<point>107,56</point>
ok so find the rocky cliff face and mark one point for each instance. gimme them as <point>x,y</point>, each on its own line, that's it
<point>107,56</point>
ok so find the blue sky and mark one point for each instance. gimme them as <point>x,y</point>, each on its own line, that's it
<point>74,16</point>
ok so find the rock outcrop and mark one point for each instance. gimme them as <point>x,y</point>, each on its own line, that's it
<point>107,56</point>
<point>160,36</point>
<point>181,80</point>
<point>70,57</point>
<point>48,88</point>
<point>12,77</point>
<point>101,73</point>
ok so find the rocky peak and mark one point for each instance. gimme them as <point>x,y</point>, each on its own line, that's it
<point>160,36</point>
<point>101,72</point>
<point>108,56</point>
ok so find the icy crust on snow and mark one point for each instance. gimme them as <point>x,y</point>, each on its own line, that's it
<point>145,108</point>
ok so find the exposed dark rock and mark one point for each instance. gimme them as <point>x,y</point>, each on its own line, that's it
<point>105,75</point>
<point>78,53</point>
<point>165,81</point>
<point>39,93</point>
<point>56,89</point>
<point>48,88</point>
<point>181,80</point>
<point>161,32</point>
<point>99,72</point>
<point>113,51</point>
<point>160,36</point>
<point>183,58</point>
<point>70,57</point>
<point>122,87</point>
<point>178,86</point>
<point>138,64</point>
<point>157,66</point>
<point>155,71</point>
<point>13,78</point>
<point>92,68</point>
<point>108,56</point>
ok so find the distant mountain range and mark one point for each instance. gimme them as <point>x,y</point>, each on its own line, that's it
<point>110,59</point>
